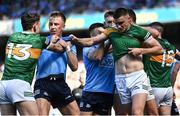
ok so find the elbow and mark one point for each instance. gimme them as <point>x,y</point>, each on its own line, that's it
<point>97,57</point>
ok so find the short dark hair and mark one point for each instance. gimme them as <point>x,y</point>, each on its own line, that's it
<point>120,12</point>
<point>157,25</point>
<point>132,14</point>
<point>108,13</point>
<point>58,13</point>
<point>28,19</point>
<point>95,25</point>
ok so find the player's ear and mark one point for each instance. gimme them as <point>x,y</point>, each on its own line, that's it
<point>34,27</point>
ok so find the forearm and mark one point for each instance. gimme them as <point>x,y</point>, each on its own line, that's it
<point>72,60</point>
<point>55,48</point>
<point>86,42</point>
<point>54,45</point>
<point>152,47</point>
<point>155,50</point>
<point>174,73</point>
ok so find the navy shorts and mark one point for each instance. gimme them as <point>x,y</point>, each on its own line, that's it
<point>54,89</point>
<point>98,102</point>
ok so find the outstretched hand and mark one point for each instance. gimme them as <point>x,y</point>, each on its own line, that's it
<point>74,39</point>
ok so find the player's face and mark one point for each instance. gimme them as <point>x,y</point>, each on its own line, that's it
<point>109,21</point>
<point>96,31</point>
<point>56,25</point>
<point>123,23</point>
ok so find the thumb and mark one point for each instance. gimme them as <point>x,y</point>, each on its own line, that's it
<point>71,36</point>
<point>54,38</point>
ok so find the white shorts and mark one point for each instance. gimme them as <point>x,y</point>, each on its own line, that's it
<point>130,84</point>
<point>12,91</point>
<point>150,94</point>
<point>163,96</point>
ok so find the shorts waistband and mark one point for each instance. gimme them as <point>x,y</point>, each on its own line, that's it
<point>54,76</point>
<point>129,74</point>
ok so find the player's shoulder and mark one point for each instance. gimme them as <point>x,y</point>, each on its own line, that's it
<point>110,30</point>
<point>135,27</point>
<point>15,34</point>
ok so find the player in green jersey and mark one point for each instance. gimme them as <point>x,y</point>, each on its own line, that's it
<point>158,68</point>
<point>22,52</point>
<point>126,42</point>
<point>151,108</point>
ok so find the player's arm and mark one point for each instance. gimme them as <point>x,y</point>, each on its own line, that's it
<point>86,42</point>
<point>55,44</point>
<point>108,47</point>
<point>97,53</point>
<point>71,57</point>
<point>175,71</point>
<point>150,46</point>
<point>155,33</point>
<point>177,56</point>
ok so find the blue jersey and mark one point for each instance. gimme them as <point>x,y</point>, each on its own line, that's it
<point>99,74</point>
<point>52,62</point>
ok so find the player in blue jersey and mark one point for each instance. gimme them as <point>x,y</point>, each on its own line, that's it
<point>50,87</point>
<point>109,22</point>
<point>97,96</point>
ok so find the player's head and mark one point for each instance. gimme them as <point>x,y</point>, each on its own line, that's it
<point>158,26</point>
<point>30,21</point>
<point>109,19</point>
<point>122,19</point>
<point>132,15</point>
<point>56,23</point>
<point>93,29</point>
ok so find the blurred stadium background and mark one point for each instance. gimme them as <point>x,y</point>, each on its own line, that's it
<point>82,13</point>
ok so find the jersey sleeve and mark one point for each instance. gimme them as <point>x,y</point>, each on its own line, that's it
<point>140,33</point>
<point>108,31</point>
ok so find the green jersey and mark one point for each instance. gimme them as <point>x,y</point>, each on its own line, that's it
<point>158,67</point>
<point>122,41</point>
<point>22,53</point>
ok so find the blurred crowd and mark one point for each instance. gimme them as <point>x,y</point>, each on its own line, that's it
<point>14,8</point>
